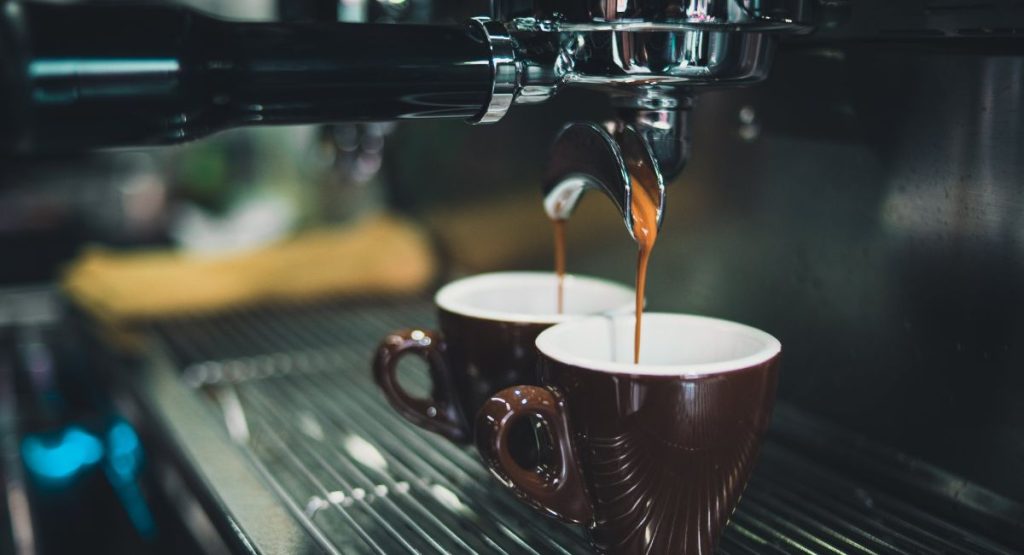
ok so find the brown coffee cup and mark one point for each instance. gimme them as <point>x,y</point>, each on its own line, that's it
<point>489,324</point>
<point>650,457</point>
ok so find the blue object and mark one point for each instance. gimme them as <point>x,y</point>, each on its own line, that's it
<point>124,460</point>
<point>59,458</point>
<point>124,452</point>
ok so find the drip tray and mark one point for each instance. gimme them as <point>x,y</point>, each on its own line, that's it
<point>274,411</point>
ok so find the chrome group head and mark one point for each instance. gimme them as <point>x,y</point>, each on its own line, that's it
<point>650,56</point>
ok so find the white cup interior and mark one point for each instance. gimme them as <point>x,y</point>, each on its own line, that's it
<point>670,344</point>
<point>533,297</point>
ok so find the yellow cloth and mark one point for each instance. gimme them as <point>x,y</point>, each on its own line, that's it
<point>379,255</point>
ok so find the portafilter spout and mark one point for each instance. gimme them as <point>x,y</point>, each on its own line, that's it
<point>641,148</point>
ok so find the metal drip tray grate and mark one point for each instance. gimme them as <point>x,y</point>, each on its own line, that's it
<point>293,384</point>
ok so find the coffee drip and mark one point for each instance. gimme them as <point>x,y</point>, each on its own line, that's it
<point>559,226</point>
<point>644,203</point>
<point>618,160</point>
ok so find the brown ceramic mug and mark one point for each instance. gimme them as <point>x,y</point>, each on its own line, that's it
<point>489,323</point>
<point>651,458</point>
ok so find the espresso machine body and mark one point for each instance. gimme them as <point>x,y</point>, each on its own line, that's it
<point>845,175</point>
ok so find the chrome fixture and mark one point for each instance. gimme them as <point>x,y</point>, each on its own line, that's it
<point>651,57</point>
<point>640,48</point>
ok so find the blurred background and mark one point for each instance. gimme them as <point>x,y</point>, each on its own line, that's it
<point>864,205</point>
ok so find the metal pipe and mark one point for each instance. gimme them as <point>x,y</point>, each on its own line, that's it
<point>112,75</point>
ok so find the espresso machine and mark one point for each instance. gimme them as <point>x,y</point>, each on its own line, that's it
<point>853,188</point>
<point>169,75</point>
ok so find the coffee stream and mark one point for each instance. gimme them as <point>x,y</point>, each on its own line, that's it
<point>644,205</point>
<point>560,260</point>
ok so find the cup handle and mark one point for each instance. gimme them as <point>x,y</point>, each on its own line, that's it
<point>557,489</point>
<point>438,413</point>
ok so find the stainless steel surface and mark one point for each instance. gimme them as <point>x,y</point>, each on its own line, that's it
<point>291,384</point>
<point>629,46</point>
<point>637,63</point>
<point>504,68</point>
<point>665,130</point>
<point>586,156</point>
<point>650,56</point>
<point>252,516</point>
<point>761,15</point>
<point>624,61</point>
